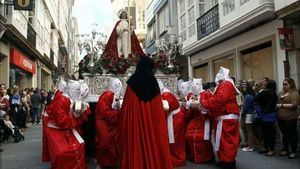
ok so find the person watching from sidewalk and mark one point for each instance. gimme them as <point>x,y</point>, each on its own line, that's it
<point>247,114</point>
<point>287,104</point>
<point>266,99</point>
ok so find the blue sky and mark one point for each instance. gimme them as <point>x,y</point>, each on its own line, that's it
<point>89,12</point>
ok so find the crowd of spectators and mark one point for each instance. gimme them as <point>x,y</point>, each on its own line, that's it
<point>20,107</point>
<point>267,115</point>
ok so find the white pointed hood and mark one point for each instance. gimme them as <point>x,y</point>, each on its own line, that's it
<point>84,91</point>
<point>115,86</point>
<point>223,74</point>
<point>196,86</point>
<point>74,89</point>
<point>184,89</point>
<point>62,86</point>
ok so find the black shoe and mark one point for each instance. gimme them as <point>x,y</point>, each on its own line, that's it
<point>1,150</point>
<point>263,151</point>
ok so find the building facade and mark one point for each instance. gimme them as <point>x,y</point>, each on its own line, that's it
<point>162,21</point>
<point>33,43</point>
<point>237,34</point>
<point>289,12</point>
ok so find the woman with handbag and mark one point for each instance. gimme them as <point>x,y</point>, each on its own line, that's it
<point>267,99</point>
<point>287,103</point>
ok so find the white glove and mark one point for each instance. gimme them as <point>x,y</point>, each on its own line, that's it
<point>188,104</point>
<point>166,105</point>
<point>115,105</point>
<point>85,106</point>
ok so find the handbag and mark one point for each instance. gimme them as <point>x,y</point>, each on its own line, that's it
<point>258,112</point>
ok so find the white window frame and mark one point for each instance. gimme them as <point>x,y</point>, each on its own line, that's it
<point>242,2</point>
<point>191,24</point>
<point>202,4</point>
<point>228,6</point>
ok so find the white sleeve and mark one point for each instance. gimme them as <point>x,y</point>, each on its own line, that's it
<point>166,105</point>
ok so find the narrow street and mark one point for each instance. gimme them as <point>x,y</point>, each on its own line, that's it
<point>27,155</point>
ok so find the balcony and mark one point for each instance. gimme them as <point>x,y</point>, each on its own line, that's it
<point>243,18</point>
<point>208,23</point>
<point>31,36</point>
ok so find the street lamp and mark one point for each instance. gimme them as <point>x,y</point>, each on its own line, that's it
<point>169,45</point>
<point>92,45</point>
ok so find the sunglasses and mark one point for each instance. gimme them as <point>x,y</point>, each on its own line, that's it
<point>284,84</point>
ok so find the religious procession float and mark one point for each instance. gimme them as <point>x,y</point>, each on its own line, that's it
<point>119,57</point>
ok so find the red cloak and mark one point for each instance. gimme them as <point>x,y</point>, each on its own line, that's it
<point>143,138</point>
<point>106,144</point>
<point>198,135</point>
<point>223,106</point>
<point>177,114</point>
<point>66,147</point>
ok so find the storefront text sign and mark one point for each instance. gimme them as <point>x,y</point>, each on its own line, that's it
<point>22,61</point>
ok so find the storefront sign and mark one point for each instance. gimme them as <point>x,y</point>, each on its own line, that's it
<point>22,61</point>
<point>286,38</point>
<point>26,5</point>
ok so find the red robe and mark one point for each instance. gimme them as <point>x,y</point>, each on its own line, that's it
<point>143,137</point>
<point>224,107</point>
<point>45,116</point>
<point>198,136</point>
<point>178,147</point>
<point>106,143</point>
<point>65,149</point>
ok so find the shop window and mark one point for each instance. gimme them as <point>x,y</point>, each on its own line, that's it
<point>201,71</point>
<point>257,64</point>
<point>226,62</point>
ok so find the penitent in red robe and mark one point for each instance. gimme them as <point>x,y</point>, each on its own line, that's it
<point>176,117</point>
<point>143,137</point>
<point>45,116</point>
<point>106,139</point>
<point>66,147</point>
<point>198,135</point>
<point>224,108</point>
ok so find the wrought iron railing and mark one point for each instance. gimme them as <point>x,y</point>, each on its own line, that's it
<point>208,23</point>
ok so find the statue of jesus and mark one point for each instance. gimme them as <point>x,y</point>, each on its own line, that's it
<point>123,33</point>
<point>123,41</point>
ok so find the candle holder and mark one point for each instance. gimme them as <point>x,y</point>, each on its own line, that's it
<point>169,46</point>
<point>93,44</point>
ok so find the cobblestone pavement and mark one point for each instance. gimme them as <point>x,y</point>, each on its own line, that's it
<point>27,155</point>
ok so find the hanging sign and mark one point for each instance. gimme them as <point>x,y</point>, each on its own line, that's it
<point>26,5</point>
<point>286,38</point>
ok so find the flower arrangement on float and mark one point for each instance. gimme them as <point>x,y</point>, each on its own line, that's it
<point>116,65</point>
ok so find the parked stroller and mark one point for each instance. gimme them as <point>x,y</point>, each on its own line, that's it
<point>8,129</point>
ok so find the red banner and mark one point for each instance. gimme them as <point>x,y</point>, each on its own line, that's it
<point>286,38</point>
<point>22,61</point>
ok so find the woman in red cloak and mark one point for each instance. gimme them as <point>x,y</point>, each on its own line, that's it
<point>143,137</point>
